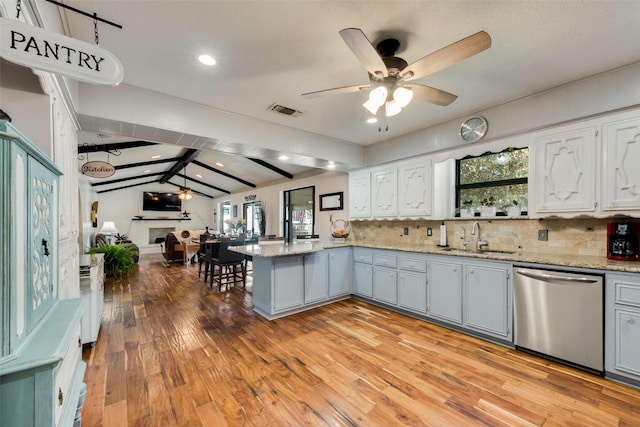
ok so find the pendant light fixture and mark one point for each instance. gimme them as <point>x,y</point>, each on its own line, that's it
<point>185,194</point>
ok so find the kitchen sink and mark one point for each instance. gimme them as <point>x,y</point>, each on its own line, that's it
<point>473,251</point>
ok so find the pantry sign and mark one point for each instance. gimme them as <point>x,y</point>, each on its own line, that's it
<point>38,48</point>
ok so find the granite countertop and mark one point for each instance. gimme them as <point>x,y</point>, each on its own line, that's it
<point>590,262</point>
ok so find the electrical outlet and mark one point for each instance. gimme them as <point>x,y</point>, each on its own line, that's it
<point>543,235</point>
<point>429,231</point>
<point>406,231</point>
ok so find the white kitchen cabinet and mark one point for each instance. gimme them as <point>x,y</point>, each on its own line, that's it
<point>316,273</point>
<point>359,194</point>
<point>340,266</point>
<point>622,327</point>
<point>415,189</point>
<point>384,192</point>
<point>487,298</point>
<point>565,176</point>
<point>92,290</point>
<point>444,290</point>
<point>288,282</point>
<point>621,157</point>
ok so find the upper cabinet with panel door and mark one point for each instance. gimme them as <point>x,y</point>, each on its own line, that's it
<point>360,194</point>
<point>620,166</point>
<point>565,177</point>
<point>415,189</point>
<point>384,192</point>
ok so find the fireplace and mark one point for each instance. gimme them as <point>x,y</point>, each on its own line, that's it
<point>159,233</point>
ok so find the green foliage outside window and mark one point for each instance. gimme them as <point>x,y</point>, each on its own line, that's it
<point>498,179</point>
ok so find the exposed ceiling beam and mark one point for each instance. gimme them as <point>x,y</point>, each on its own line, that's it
<point>150,162</point>
<point>212,169</point>
<point>117,146</point>
<point>113,181</point>
<point>185,159</point>
<point>193,191</point>
<point>271,167</point>
<point>203,183</point>
<point>126,186</point>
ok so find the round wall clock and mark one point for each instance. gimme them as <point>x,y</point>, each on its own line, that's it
<point>474,129</point>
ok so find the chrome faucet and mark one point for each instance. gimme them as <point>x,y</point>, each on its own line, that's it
<point>480,243</point>
<point>465,242</point>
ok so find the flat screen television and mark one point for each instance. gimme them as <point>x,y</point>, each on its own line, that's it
<point>166,202</point>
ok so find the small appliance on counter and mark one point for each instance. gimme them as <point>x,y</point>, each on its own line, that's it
<point>622,241</point>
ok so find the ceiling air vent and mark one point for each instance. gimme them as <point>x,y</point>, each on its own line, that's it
<point>284,110</point>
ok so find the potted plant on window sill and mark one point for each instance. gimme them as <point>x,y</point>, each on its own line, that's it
<point>488,208</point>
<point>467,210</point>
<point>513,210</point>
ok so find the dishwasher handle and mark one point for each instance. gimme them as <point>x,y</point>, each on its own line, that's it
<point>550,277</point>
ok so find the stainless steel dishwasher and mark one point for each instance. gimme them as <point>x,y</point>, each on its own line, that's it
<point>560,315</point>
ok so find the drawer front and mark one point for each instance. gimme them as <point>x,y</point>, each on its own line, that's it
<point>413,264</point>
<point>65,374</point>
<point>364,257</point>
<point>626,292</point>
<point>385,260</point>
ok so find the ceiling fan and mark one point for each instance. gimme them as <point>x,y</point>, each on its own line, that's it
<point>389,74</point>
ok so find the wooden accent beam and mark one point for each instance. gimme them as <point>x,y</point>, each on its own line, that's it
<point>203,183</point>
<point>91,148</point>
<point>271,167</point>
<point>185,159</point>
<point>150,162</point>
<point>113,181</point>
<point>212,169</point>
<point>190,189</point>
<point>126,186</point>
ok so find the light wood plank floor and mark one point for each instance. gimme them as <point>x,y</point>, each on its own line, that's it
<point>174,352</point>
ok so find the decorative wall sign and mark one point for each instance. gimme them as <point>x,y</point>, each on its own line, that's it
<point>38,48</point>
<point>98,169</point>
<point>249,198</point>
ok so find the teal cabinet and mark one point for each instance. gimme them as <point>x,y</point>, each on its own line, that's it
<point>41,368</point>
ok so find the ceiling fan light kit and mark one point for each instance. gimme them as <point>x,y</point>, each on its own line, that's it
<point>389,74</point>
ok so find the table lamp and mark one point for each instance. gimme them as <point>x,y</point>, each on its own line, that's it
<point>109,229</point>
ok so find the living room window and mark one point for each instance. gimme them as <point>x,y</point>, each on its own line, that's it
<point>492,179</point>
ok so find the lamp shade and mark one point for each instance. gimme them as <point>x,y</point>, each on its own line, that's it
<point>392,108</point>
<point>402,96</point>
<point>108,227</point>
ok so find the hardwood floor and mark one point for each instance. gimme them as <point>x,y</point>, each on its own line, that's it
<point>173,351</point>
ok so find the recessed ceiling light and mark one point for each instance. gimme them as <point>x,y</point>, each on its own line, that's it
<point>157,156</point>
<point>146,171</point>
<point>283,157</point>
<point>372,120</point>
<point>207,60</point>
<point>331,165</point>
<point>219,164</point>
<point>198,175</point>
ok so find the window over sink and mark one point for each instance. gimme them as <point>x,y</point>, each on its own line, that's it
<point>493,184</point>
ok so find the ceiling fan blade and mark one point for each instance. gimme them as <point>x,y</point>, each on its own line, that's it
<point>432,95</point>
<point>335,91</point>
<point>364,51</point>
<point>447,56</point>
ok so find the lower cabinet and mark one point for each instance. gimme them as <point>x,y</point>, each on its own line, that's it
<point>444,291</point>
<point>385,285</point>
<point>622,327</point>
<point>487,298</point>
<point>316,272</point>
<point>363,279</point>
<point>92,290</point>
<point>288,282</point>
<point>340,265</point>
<point>412,282</point>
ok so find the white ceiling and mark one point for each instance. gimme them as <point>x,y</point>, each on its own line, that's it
<point>273,51</point>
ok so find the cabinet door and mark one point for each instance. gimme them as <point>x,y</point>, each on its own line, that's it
<point>565,173</point>
<point>444,291</point>
<point>339,272</point>
<point>359,195</point>
<point>385,285</point>
<point>363,279</point>
<point>414,189</point>
<point>622,325</point>
<point>42,249</point>
<point>288,282</point>
<point>412,291</point>
<point>316,286</point>
<point>487,299</point>
<point>621,173</point>
<point>385,192</point>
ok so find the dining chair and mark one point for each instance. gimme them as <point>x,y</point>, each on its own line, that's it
<point>231,265</point>
<point>206,252</point>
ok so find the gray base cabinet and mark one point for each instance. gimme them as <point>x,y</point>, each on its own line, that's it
<point>622,326</point>
<point>316,273</point>
<point>412,282</point>
<point>363,273</point>
<point>444,291</point>
<point>340,266</point>
<point>288,283</point>
<point>487,299</point>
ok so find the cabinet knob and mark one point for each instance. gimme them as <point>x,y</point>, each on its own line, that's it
<point>46,247</point>
<point>631,321</point>
<point>60,397</point>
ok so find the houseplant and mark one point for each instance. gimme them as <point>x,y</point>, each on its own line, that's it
<point>118,259</point>
<point>488,207</point>
<point>467,210</point>
<point>513,210</point>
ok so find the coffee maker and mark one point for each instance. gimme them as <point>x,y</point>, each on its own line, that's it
<point>622,241</point>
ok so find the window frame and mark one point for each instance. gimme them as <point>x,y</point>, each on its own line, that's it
<point>488,184</point>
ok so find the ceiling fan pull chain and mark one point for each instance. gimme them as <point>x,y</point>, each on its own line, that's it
<point>18,8</point>
<point>95,28</point>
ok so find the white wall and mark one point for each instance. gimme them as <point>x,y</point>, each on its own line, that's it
<point>271,198</point>
<point>122,206</point>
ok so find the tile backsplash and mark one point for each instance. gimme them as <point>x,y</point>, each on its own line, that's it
<point>579,237</point>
